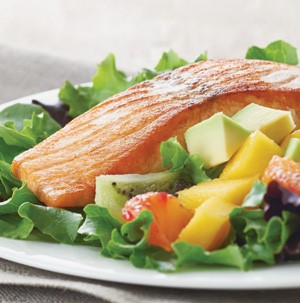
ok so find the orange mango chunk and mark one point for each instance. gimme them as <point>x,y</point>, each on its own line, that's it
<point>233,190</point>
<point>252,158</point>
<point>210,225</point>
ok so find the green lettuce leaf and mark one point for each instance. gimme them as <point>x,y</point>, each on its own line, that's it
<point>131,242</point>
<point>11,136</point>
<point>278,51</point>
<point>173,154</point>
<point>11,224</point>
<point>256,195</point>
<point>143,75</point>
<point>18,197</point>
<point>7,181</point>
<point>109,80</point>
<point>15,227</point>
<point>169,61</point>
<point>98,225</point>
<point>128,241</point>
<point>261,240</point>
<point>9,152</point>
<point>62,225</point>
<point>191,255</point>
<point>17,113</point>
<point>21,127</point>
<point>78,99</point>
<point>35,127</point>
<point>202,57</point>
<point>190,167</point>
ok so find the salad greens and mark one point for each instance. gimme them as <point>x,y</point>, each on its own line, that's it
<point>278,51</point>
<point>22,216</point>
<point>255,197</point>
<point>189,166</point>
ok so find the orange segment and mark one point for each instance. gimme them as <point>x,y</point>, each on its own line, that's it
<point>170,217</point>
<point>285,171</point>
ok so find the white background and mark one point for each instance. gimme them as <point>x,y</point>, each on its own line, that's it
<point>137,31</point>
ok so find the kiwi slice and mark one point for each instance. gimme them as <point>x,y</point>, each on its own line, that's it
<point>112,191</point>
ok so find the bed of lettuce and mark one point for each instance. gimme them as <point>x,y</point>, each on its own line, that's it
<point>22,216</point>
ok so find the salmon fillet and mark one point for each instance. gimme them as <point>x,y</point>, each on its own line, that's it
<point>122,134</point>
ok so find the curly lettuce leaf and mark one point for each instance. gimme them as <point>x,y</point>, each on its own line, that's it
<point>169,61</point>
<point>11,224</point>
<point>15,227</point>
<point>261,240</point>
<point>9,152</point>
<point>107,82</point>
<point>11,136</point>
<point>131,242</point>
<point>191,255</point>
<point>7,181</point>
<point>77,99</point>
<point>278,51</point>
<point>189,166</point>
<point>20,112</point>
<point>255,197</point>
<point>128,241</point>
<point>98,225</point>
<point>62,225</point>
<point>108,79</point>
<point>21,127</point>
<point>19,196</point>
<point>201,57</point>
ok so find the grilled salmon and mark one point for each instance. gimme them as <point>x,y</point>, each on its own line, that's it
<point>122,134</point>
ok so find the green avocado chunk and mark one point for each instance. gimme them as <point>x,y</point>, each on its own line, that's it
<point>293,150</point>
<point>274,123</point>
<point>215,139</point>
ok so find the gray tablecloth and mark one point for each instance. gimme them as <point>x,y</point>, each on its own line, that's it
<point>23,73</point>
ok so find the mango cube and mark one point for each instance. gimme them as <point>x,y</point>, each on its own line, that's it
<point>210,225</point>
<point>274,123</point>
<point>252,158</point>
<point>215,139</point>
<point>234,191</point>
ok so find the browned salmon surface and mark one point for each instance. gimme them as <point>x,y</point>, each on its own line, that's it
<point>123,134</point>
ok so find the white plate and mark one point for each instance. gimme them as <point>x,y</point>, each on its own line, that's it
<point>84,261</point>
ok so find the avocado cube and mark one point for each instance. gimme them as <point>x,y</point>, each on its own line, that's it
<point>274,123</point>
<point>293,150</point>
<point>215,139</point>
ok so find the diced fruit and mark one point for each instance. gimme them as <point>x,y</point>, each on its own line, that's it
<point>285,171</point>
<point>274,123</point>
<point>234,191</point>
<point>170,217</point>
<point>252,158</point>
<point>285,142</point>
<point>215,139</point>
<point>112,191</point>
<point>293,150</point>
<point>210,225</point>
